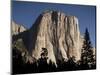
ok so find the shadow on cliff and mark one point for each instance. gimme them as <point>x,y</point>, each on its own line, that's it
<point>28,35</point>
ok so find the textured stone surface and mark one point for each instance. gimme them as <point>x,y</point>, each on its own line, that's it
<point>59,34</point>
<point>16,28</point>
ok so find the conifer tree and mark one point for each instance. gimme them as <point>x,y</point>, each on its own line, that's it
<point>87,50</point>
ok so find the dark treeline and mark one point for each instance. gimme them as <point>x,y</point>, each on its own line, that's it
<point>41,65</point>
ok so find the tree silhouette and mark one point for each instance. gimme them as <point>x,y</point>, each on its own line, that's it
<point>87,51</point>
<point>42,62</point>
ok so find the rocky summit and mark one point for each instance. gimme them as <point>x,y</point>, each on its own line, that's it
<point>16,28</point>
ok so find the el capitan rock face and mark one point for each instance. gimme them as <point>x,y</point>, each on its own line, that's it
<point>56,32</point>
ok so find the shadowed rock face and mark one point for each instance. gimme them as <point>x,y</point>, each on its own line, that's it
<point>56,32</point>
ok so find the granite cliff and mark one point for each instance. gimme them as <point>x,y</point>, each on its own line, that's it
<point>57,32</point>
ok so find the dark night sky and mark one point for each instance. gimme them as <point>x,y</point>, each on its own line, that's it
<point>25,13</point>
